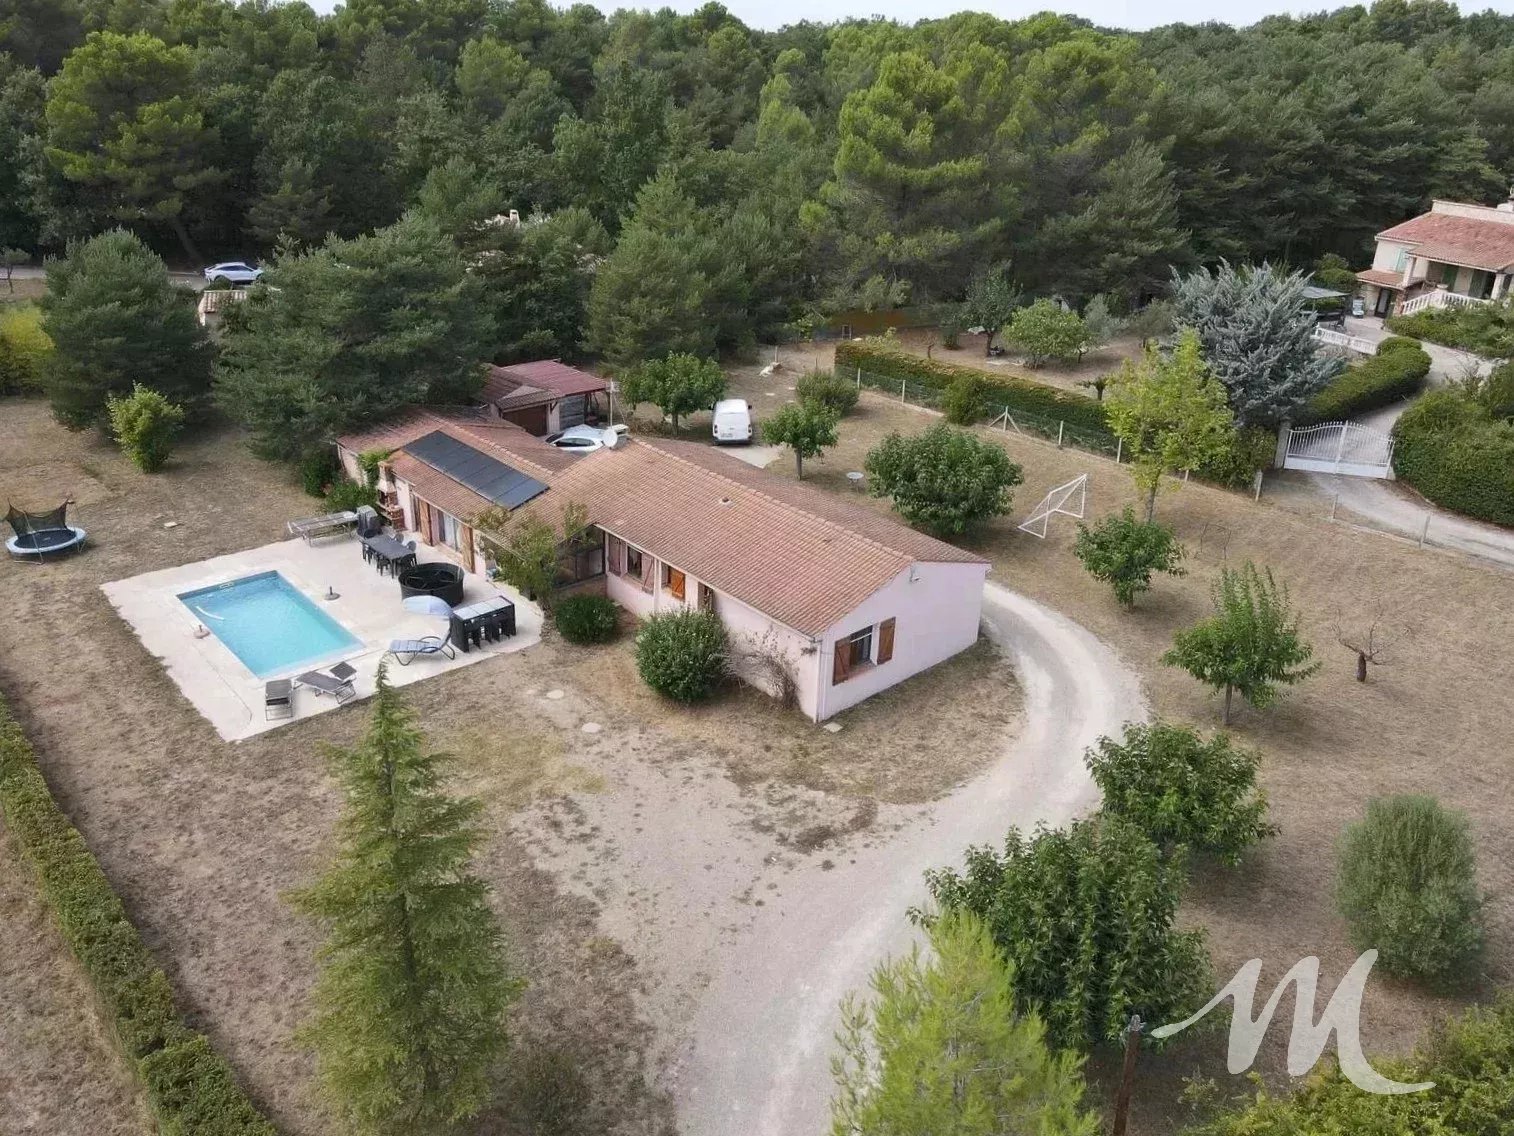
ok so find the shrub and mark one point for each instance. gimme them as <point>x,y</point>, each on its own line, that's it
<point>1251,448</point>
<point>1483,329</point>
<point>951,334</point>
<point>1450,448</point>
<point>1469,1061</point>
<point>1020,395</point>
<point>1408,886</point>
<point>144,424</point>
<point>1180,789</point>
<point>1085,916</point>
<point>189,1087</point>
<point>586,618</point>
<point>550,1092</point>
<point>829,390</point>
<point>965,401</point>
<point>1046,331</point>
<point>682,654</point>
<point>345,496</point>
<point>24,349</point>
<point>1124,552</point>
<point>1395,373</point>
<point>319,470</point>
<point>944,480</point>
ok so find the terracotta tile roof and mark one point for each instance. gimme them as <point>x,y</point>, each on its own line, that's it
<point>1381,277</point>
<point>1470,241</point>
<point>438,489</point>
<point>799,555</point>
<point>534,384</point>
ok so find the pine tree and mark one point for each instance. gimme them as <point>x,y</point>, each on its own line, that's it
<point>941,1048</point>
<point>411,999</point>
<point>116,320</point>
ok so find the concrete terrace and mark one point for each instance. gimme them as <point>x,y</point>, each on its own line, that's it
<point>229,695</point>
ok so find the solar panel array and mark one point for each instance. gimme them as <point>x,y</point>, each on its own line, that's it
<point>488,477</point>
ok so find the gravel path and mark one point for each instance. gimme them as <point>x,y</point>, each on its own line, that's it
<point>758,1061</point>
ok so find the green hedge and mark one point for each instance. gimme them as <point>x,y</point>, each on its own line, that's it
<point>1006,390</point>
<point>189,1087</point>
<point>1395,373</point>
<point>1458,455</point>
<point>1483,329</point>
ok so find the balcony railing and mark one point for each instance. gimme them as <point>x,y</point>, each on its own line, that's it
<point>1438,298</point>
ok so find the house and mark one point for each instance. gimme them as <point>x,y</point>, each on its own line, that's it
<point>1456,255</point>
<point>542,397</point>
<point>844,599</point>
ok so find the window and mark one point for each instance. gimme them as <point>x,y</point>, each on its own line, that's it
<point>448,531</point>
<point>673,581</point>
<point>633,561</point>
<point>872,646</point>
<point>706,598</point>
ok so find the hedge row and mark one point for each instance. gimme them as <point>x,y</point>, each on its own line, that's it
<point>1458,455</point>
<point>1483,329</point>
<point>189,1087</point>
<point>1006,390</point>
<point>1395,373</point>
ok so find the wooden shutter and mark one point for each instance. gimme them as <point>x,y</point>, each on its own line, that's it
<point>675,583</point>
<point>617,556</point>
<point>885,641</point>
<point>841,667</point>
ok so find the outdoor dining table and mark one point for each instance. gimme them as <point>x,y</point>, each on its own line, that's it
<point>391,554</point>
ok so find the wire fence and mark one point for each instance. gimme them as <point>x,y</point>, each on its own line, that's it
<point>1008,419</point>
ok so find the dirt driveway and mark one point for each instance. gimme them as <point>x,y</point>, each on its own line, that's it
<point>757,1063</point>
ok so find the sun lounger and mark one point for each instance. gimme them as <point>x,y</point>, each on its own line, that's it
<point>406,649</point>
<point>331,524</point>
<point>321,683</point>
<point>278,699</point>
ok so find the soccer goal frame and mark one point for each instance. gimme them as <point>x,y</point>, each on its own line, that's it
<point>1059,500</point>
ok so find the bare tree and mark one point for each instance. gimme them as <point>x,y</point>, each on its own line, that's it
<point>1370,644</point>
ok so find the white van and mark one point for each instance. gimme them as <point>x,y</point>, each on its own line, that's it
<point>733,421</point>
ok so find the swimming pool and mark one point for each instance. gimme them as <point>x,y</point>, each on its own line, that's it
<point>269,624</point>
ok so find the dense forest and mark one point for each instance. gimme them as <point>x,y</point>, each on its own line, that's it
<point>689,164</point>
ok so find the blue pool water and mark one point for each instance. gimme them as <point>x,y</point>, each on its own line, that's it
<point>269,624</point>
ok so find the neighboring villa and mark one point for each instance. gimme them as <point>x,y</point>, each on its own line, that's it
<point>1453,256</point>
<point>853,601</point>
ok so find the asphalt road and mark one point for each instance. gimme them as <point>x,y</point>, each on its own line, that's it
<point>188,279</point>
<point>759,1064</point>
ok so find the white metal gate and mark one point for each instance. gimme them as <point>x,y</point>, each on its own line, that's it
<point>1339,447</point>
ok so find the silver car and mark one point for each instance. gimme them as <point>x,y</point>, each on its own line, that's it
<point>233,273</point>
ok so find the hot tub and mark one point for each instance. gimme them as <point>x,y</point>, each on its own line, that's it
<point>445,581</point>
<point>46,542</point>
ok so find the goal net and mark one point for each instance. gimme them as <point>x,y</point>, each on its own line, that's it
<point>1069,500</point>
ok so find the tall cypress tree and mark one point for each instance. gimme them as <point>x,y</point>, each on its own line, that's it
<point>411,1000</point>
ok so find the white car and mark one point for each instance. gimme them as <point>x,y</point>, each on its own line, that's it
<point>587,439</point>
<point>733,421</point>
<point>233,272</point>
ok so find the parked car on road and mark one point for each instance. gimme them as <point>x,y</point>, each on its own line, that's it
<point>733,421</point>
<point>233,274</point>
<point>587,439</point>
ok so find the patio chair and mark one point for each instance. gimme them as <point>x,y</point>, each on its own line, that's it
<point>405,650</point>
<point>278,699</point>
<point>322,683</point>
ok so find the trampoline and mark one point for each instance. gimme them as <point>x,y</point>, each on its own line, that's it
<point>42,534</point>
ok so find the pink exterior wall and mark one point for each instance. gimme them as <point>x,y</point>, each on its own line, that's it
<point>936,608</point>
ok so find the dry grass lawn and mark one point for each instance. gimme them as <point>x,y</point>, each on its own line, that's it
<point>1434,721</point>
